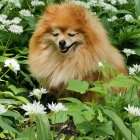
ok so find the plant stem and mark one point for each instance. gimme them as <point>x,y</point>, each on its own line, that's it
<point>4,74</point>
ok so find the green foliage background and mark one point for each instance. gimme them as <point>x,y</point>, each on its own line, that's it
<point>90,121</point>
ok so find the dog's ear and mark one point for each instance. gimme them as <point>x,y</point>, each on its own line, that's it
<point>52,9</point>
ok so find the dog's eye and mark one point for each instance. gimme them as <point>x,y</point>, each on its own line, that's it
<point>55,34</point>
<point>71,34</point>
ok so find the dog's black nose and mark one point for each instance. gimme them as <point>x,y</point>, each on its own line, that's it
<point>62,43</point>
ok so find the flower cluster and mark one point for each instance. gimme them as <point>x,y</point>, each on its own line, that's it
<point>128,52</point>
<point>10,25</point>
<point>2,109</point>
<point>113,18</point>
<point>25,13</point>
<point>12,64</point>
<point>135,69</point>
<point>133,110</point>
<point>128,18</point>
<point>57,107</point>
<point>38,93</point>
<point>14,2</point>
<point>37,3</point>
<point>35,108</point>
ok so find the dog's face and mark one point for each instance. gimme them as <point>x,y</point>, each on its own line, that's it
<point>64,40</point>
<point>64,28</point>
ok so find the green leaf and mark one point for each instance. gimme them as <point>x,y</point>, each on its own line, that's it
<point>82,124</point>
<point>78,86</point>
<point>59,117</point>
<point>105,129</point>
<point>21,99</point>
<point>121,81</point>
<point>43,127</point>
<point>16,90</point>
<point>9,101</point>
<point>137,7</point>
<point>126,133</point>
<point>6,126</point>
<point>12,114</point>
<point>136,127</point>
<point>100,116</point>
<point>28,134</point>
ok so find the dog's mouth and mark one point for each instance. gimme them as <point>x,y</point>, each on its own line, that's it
<point>65,49</point>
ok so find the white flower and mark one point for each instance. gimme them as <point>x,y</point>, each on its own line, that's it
<point>84,4</point>
<point>16,29</point>
<point>128,52</point>
<point>16,20</point>
<point>6,22</point>
<point>128,18</point>
<point>38,92</point>
<point>133,110</point>
<point>35,108</point>
<point>15,2</point>
<point>3,17</point>
<point>136,67</point>
<point>132,71</point>
<point>12,63</point>
<point>2,109</point>
<point>57,107</point>
<point>122,1</point>
<point>113,18</point>
<point>100,64</point>
<point>113,2</point>
<point>25,13</point>
<point>37,3</point>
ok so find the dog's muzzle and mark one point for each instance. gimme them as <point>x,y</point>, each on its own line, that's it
<point>62,46</point>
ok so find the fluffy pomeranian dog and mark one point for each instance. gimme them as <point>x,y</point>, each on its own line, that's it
<point>67,43</point>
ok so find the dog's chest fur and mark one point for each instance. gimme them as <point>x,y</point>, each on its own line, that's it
<point>54,69</point>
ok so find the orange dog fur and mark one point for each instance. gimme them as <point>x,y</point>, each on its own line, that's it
<point>67,43</point>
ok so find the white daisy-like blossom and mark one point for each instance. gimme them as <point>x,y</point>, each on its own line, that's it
<point>122,1</point>
<point>129,18</point>
<point>16,20</point>
<point>100,64</point>
<point>12,64</point>
<point>128,52</point>
<point>17,29</point>
<point>15,2</point>
<point>38,92</point>
<point>37,3</point>
<point>57,107</point>
<point>2,109</point>
<point>133,110</point>
<point>34,108</point>
<point>136,67</point>
<point>132,71</point>
<point>25,13</point>
<point>113,18</point>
